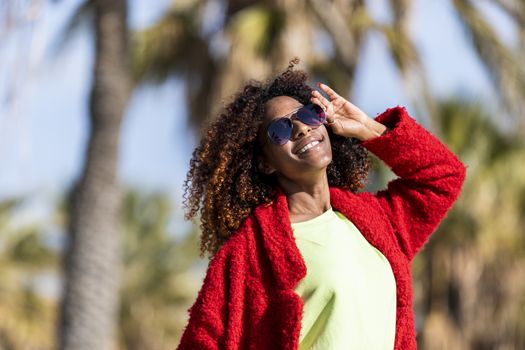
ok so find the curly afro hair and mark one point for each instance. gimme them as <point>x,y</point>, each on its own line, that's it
<point>224,183</point>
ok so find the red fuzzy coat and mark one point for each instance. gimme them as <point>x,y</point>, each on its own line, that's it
<point>247,300</point>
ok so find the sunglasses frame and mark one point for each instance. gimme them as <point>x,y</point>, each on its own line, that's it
<point>294,115</point>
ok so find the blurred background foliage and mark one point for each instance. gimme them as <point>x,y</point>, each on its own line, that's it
<point>469,281</point>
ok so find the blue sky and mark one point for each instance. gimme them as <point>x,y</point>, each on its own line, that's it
<point>43,126</point>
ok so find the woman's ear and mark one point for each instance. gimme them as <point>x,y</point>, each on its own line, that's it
<point>264,167</point>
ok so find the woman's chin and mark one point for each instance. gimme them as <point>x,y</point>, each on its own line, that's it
<point>315,165</point>
<point>316,156</point>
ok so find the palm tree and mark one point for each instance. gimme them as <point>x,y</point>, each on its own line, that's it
<point>92,261</point>
<point>254,38</point>
<point>213,54</point>
<point>469,284</point>
<point>216,52</point>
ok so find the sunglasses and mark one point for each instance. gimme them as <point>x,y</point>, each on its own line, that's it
<point>280,130</point>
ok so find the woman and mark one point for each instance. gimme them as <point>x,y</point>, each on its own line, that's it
<point>301,258</point>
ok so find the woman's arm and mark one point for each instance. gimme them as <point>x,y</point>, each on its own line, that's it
<point>430,178</point>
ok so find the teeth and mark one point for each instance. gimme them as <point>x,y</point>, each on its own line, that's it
<point>307,147</point>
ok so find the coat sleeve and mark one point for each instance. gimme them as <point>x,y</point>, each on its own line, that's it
<point>429,179</point>
<point>206,326</point>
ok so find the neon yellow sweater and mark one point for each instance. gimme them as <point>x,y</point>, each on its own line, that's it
<point>349,291</point>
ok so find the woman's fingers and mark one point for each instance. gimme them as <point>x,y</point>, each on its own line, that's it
<point>336,101</point>
<point>317,101</point>
<point>326,105</point>
<point>322,101</point>
<point>328,90</point>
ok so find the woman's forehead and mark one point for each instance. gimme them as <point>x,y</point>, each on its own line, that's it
<point>280,106</point>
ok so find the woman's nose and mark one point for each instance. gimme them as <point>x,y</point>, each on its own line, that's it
<point>300,129</point>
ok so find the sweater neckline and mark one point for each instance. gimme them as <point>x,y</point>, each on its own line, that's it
<point>317,220</point>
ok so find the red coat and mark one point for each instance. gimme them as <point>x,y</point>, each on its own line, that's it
<point>247,300</point>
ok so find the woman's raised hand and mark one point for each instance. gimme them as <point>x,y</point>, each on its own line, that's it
<point>344,118</point>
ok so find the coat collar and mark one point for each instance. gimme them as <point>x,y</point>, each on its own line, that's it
<point>273,220</point>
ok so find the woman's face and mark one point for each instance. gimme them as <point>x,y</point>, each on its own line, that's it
<point>291,160</point>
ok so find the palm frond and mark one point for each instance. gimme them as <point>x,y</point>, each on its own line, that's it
<point>516,10</point>
<point>257,28</point>
<point>166,47</point>
<point>337,21</point>
<point>82,16</point>
<point>503,65</point>
<point>407,60</point>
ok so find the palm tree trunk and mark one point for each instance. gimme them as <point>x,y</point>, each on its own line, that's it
<point>92,256</point>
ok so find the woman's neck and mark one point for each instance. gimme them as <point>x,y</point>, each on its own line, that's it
<point>307,199</point>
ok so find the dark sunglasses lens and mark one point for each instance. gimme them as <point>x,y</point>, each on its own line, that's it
<point>311,115</point>
<point>280,131</point>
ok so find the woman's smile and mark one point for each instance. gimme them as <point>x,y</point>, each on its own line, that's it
<point>311,144</point>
